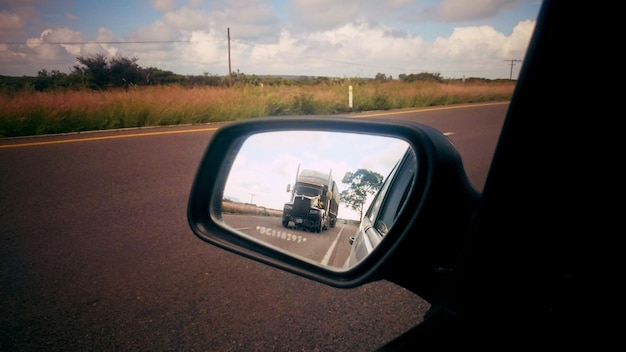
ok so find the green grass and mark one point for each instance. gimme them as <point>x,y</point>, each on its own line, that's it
<point>37,113</point>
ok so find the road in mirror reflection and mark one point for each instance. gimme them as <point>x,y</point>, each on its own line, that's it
<point>286,189</point>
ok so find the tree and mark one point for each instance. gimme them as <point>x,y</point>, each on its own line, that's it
<point>380,77</point>
<point>424,76</point>
<point>124,72</point>
<point>361,184</point>
<point>101,72</point>
<point>95,70</point>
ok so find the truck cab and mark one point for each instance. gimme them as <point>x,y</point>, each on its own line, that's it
<point>314,202</point>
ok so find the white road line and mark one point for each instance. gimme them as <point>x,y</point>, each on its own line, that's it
<point>330,250</point>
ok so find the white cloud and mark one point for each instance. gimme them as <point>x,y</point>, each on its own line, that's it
<point>396,4</point>
<point>476,51</point>
<point>164,5</point>
<point>458,10</point>
<point>11,21</point>
<point>327,14</point>
<point>355,50</point>
<point>186,19</point>
<point>517,43</point>
<point>47,49</point>
<point>466,42</point>
<point>351,38</point>
<point>158,30</point>
<point>247,21</point>
<point>324,13</point>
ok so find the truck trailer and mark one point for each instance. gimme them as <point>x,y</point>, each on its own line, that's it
<point>314,201</point>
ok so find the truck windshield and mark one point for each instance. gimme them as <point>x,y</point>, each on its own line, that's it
<point>307,191</point>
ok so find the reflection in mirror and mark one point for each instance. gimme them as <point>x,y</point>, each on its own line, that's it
<point>305,192</point>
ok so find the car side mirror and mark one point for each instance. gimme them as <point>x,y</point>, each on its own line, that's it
<point>237,201</point>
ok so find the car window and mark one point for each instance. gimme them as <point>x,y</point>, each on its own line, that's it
<point>386,205</point>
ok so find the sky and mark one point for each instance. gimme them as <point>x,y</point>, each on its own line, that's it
<point>268,162</point>
<point>329,38</point>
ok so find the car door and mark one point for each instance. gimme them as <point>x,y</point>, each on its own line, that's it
<point>382,212</point>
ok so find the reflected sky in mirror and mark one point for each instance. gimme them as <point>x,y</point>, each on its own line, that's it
<point>268,162</point>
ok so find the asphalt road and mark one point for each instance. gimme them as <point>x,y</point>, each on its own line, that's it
<point>330,247</point>
<point>96,253</point>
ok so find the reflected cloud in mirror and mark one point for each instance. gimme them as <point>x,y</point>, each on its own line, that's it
<point>305,192</point>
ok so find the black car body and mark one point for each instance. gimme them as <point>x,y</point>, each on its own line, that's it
<point>506,268</point>
<point>382,212</point>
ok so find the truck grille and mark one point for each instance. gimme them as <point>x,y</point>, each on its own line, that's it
<point>301,205</point>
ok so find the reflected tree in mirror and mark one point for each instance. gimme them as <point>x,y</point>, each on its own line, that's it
<point>361,184</point>
<point>283,190</point>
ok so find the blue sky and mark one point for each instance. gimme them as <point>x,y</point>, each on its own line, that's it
<point>348,38</point>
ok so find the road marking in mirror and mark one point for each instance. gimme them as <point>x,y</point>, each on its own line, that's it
<point>331,249</point>
<point>287,236</point>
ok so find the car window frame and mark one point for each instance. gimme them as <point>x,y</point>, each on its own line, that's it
<point>382,205</point>
<point>369,234</point>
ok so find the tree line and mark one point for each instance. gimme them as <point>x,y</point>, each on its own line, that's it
<point>99,72</point>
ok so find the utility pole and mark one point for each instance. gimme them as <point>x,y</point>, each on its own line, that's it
<point>512,64</point>
<point>230,75</point>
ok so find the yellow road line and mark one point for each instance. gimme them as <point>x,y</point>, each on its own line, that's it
<point>106,137</point>
<point>401,112</point>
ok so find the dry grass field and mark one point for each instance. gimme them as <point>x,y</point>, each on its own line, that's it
<point>35,113</point>
<point>245,208</point>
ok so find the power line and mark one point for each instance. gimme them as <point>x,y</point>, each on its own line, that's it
<point>107,42</point>
<point>512,62</point>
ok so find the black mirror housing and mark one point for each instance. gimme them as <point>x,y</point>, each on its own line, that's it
<point>430,229</point>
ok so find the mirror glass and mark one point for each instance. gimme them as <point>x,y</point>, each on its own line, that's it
<point>305,192</point>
